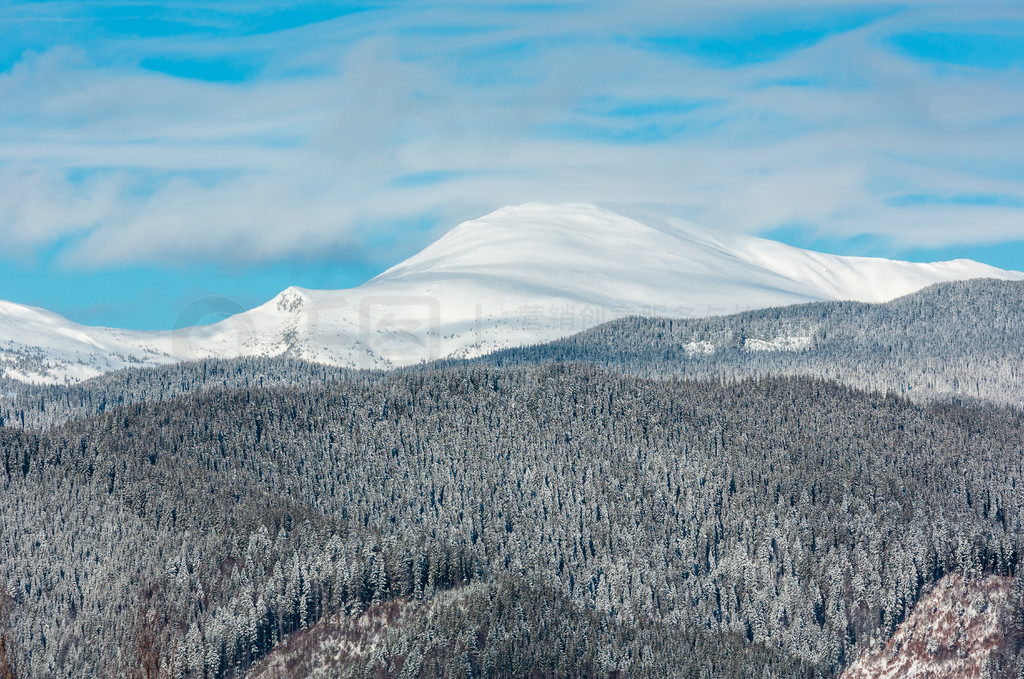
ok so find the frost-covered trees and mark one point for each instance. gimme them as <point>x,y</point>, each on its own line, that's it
<point>774,523</point>
<point>962,341</point>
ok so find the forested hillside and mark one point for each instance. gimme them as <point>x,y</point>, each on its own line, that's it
<point>962,341</point>
<point>953,341</point>
<point>31,406</point>
<point>564,520</point>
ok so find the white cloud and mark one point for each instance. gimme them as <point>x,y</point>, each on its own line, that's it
<point>314,152</point>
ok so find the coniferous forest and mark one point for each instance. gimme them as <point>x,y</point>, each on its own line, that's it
<point>576,511</point>
<point>960,341</point>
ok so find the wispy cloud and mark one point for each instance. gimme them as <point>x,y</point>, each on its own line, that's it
<point>169,131</point>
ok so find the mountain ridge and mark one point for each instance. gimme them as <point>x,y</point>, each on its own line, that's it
<point>959,340</point>
<point>520,275</point>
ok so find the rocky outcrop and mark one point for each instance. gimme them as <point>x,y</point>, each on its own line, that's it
<point>960,630</point>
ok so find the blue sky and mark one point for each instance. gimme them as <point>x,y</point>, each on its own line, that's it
<point>153,154</point>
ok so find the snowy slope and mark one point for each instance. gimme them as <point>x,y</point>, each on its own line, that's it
<point>520,275</point>
<point>40,346</point>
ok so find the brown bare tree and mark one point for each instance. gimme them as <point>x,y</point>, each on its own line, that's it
<point>8,664</point>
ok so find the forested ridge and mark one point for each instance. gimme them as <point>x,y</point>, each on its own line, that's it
<point>39,406</point>
<point>959,341</point>
<point>564,520</point>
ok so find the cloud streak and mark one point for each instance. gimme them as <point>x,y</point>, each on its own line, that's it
<point>338,132</point>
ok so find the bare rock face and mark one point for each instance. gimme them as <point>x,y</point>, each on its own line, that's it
<point>960,630</point>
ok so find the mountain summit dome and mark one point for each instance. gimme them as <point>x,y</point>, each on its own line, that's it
<point>520,275</point>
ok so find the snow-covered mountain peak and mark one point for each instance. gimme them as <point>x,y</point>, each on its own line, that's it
<point>10,310</point>
<point>571,236</point>
<point>522,274</point>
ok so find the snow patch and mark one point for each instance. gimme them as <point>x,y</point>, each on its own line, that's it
<point>786,343</point>
<point>702,347</point>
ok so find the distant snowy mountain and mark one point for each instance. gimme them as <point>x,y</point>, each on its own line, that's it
<point>520,275</point>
